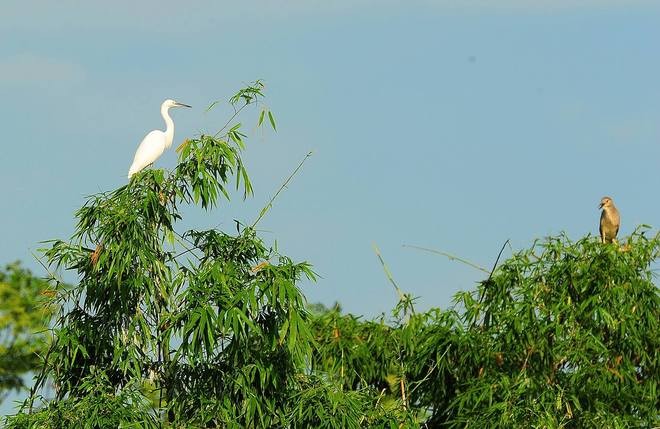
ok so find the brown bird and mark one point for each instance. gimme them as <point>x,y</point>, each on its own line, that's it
<point>609,220</point>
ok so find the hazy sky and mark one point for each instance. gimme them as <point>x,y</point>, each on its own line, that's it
<point>450,125</point>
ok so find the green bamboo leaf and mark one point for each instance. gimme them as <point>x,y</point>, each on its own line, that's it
<point>272,120</point>
<point>293,332</point>
<point>283,331</point>
<point>212,105</point>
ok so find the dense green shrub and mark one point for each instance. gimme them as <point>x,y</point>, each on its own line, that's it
<point>565,334</point>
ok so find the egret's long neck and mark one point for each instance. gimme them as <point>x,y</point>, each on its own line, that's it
<point>169,123</point>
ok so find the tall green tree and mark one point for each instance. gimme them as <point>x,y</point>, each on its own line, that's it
<point>197,328</point>
<point>192,328</point>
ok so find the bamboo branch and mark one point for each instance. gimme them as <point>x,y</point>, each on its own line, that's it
<point>388,274</point>
<point>268,206</point>
<point>498,257</point>
<point>450,256</point>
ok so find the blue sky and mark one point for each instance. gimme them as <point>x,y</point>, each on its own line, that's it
<point>450,125</point>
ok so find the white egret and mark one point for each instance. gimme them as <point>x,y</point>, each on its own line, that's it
<point>154,144</point>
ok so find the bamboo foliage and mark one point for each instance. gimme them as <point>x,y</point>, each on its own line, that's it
<point>208,328</point>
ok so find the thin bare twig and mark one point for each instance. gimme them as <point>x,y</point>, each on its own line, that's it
<point>403,393</point>
<point>529,353</point>
<point>236,112</point>
<point>481,298</point>
<point>450,256</point>
<point>429,372</point>
<point>388,273</point>
<point>52,276</point>
<point>498,258</point>
<point>188,249</point>
<point>382,393</point>
<point>268,206</point>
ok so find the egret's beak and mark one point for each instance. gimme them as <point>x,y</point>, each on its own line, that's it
<point>182,105</point>
<point>600,206</point>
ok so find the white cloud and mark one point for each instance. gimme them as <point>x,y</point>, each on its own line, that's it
<point>28,68</point>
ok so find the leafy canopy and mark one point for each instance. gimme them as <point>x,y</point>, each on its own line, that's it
<point>207,328</point>
<point>563,335</point>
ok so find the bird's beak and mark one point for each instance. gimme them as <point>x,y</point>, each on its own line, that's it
<point>600,206</point>
<point>182,105</point>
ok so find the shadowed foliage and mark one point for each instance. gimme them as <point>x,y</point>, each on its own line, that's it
<point>24,316</point>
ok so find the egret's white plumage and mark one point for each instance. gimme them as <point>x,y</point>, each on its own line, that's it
<point>154,144</point>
